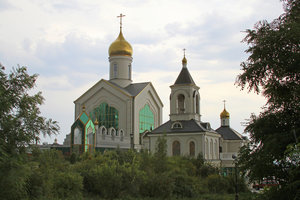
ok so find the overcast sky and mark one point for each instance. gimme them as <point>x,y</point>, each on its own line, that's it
<point>66,42</point>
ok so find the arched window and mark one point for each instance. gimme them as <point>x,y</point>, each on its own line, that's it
<point>211,154</point>
<point>90,136</point>
<point>121,135</point>
<point>121,132</point>
<point>206,148</point>
<point>103,130</point>
<point>192,148</point>
<point>216,149</point>
<point>129,71</point>
<point>176,148</point>
<point>146,119</point>
<point>197,104</point>
<point>107,116</point>
<point>77,136</point>
<point>180,103</point>
<point>176,125</point>
<point>115,70</point>
<point>112,132</point>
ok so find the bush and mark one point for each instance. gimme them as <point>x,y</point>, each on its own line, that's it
<point>14,176</point>
<point>217,184</point>
<point>104,181</point>
<point>157,185</point>
<point>242,186</point>
<point>68,185</point>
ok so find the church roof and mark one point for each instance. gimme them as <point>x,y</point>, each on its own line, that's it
<point>133,89</point>
<point>229,133</point>
<point>188,126</point>
<point>184,77</point>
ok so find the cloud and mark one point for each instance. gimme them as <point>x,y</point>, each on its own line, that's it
<point>5,5</point>
<point>77,53</point>
<point>66,42</point>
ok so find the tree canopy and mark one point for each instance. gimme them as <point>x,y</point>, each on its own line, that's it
<point>273,70</point>
<point>21,122</point>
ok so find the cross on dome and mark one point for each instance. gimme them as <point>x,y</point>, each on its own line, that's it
<point>120,47</point>
<point>224,114</point>
<point>121,16</point>
<point>184,61</point>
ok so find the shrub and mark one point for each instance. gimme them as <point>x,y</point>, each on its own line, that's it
<point>157,185</point>
<point>13,179</point>
<point>104,181</point>
<point>216,183</point>
<point>68,185</point>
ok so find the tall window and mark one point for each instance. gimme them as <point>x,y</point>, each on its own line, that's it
<point>216,149</point>
<point>176,148</point>
<point>107,116</point>
<point>115,70</point>
<point>206,148</point>
<point>146,119</point>
<point>89,140</point>
<point>192,148</point>
<point>90,136</point>
<point>77,136</point>
<point>129,71</point>
<point>197,104</point>
<point>211,149</point>
<point>180,103</point>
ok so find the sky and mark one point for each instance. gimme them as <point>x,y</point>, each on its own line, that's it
<point>66,42</point>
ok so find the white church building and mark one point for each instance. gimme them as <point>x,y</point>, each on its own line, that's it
<point>118,113</point>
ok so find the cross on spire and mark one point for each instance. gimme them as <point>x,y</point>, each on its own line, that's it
<point>224,103</point>
<point>184,52</point>
<point>121,15</point>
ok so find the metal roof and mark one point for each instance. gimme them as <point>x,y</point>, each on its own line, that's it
<point>184,77</point>
<point>188,126</point>
<point>229,133</point>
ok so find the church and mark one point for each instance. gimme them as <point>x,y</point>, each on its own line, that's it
<point>118,113</point>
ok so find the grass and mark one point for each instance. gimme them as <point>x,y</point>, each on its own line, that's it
<point>242,196</point>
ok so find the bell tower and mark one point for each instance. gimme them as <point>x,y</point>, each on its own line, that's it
<point>185,96</point>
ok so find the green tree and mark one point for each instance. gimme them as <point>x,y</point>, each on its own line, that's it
<point>160,162</point>
<point>20,119</point>
<point>273,69</point>
<point>20,126</point>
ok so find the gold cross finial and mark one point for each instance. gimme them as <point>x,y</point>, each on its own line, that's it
<point>224,103</point>
<point>184,52</point>
<point>121,15</point>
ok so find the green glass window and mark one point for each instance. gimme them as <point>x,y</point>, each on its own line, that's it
<point>146,119</point>
<point>107,116</point>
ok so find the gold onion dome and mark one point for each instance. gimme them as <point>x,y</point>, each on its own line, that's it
<point>184,61</point>
<point>224,114</point>
<point>120,47</point>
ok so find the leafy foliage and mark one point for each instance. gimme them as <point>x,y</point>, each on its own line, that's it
<point>273,69</point>
<point>20,120</point>
<point>20,126</point>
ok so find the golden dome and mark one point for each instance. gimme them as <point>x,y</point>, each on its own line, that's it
<point>184,61</point>
<point>224,114</point>
<point>120,47</point>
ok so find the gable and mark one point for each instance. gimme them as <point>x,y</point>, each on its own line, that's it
<point>150,91</point>
<point>97,87</point>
